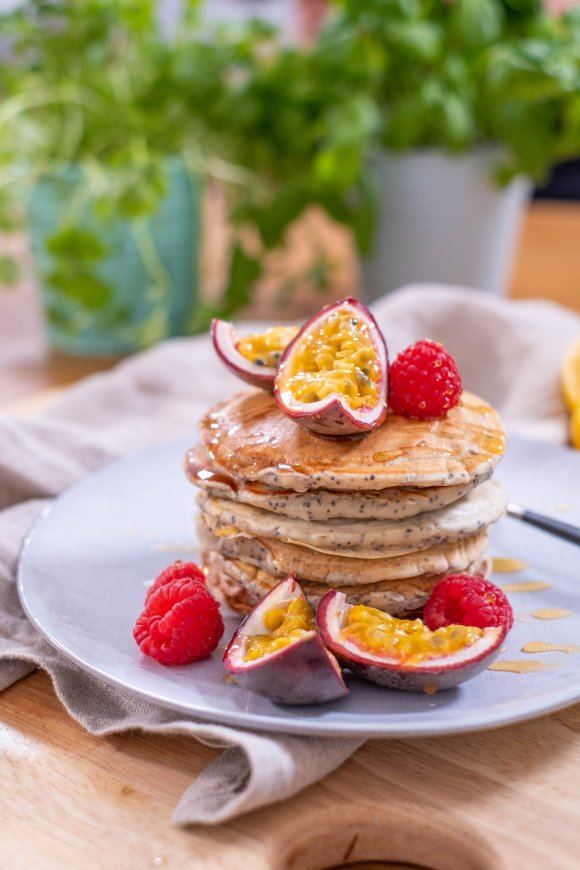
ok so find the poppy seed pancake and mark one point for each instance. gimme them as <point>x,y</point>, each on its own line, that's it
<point>391,503</point>
<point>369,539</point>
<point>281,559</point>
<point>382,517</point>
<point>241,586</point>
<point>249,437</point>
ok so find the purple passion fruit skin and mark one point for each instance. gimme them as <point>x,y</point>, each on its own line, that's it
<point>302,672</point>
<point>226,344</point>
<point>431,675</point>
<point>333,416</point>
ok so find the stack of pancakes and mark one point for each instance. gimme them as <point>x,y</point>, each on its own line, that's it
<point>382,518</point>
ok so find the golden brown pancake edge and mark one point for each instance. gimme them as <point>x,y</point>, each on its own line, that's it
<point>250,438</point>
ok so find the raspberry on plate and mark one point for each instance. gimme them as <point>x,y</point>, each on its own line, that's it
<point>177,571</point>
<point>461,599</point>
<point>181,623</point>
<point>424,381</point>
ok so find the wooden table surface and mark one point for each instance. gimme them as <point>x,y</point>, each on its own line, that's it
<point>505,799</point>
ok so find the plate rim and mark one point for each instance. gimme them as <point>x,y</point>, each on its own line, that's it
<point>270,723</point>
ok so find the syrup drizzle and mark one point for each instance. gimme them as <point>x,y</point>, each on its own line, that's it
<point>551,613</point>
<point>540,646</point>
<point>387,456</point>
<point>503,565</point>
<point>470,437</point>
<point>526,586</point>
<point>520,666</point>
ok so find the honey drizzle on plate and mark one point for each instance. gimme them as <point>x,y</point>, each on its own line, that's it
<point>503,565</point>
<point>521,666</point>
<point>526,586</point>
<point>551,613</point>
<point>539,646</point>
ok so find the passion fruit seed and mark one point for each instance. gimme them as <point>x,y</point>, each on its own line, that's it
<point>338,357</point>
<point>409,640</point>
<point>266,348</point>
<point>253,359</point>
<point>285,623</point>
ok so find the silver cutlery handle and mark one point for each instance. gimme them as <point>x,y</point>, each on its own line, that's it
<point>566,531</point>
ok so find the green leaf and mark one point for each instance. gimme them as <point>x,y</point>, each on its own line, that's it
<point>364,214</point>
<point>524,8</point>
<point>154,329</point>
<point>63,321</point>
<point>84,288</point>
<point>339,166</point>
<point>415,40</point>
<point>9,271</point>
<point>407,122</point>
<point>76,244</point>
<point>457,121</point>
<point>477,22</point>
<point>244,272</point>
<point>273,220</point>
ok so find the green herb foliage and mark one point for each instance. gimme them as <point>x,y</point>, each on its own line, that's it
<point>298,122</point>
<point>461,73</point>
<point>87,94</point>
<point>95,85</point>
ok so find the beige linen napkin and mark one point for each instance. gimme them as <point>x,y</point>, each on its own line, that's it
<point>508,352</point>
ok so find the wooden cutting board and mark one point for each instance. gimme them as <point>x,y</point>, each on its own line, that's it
<point>505,799</point>
<point>498,800</point>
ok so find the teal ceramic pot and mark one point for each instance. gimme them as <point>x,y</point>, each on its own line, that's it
<point>136,285</point>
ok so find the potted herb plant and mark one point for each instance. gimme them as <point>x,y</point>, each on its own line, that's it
<point>294,127</point>
<point>420,124</point>
<point>94,139</point>
<point>476,98</point>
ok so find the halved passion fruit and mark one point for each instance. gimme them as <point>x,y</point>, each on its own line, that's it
<point>333,376</point>
<point>253,358</point>
<point>277,651</point>
<point>404,653</point>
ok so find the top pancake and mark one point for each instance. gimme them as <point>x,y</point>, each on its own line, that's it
<point>250,438</point>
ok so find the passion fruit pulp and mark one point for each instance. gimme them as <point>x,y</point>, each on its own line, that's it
<point>255,357</point>
<point>277,651</point>
<point>285,623</point>
<point>401,653</point>
<point>333,377</point>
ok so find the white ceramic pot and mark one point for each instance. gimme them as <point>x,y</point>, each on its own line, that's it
<point>442,218</point>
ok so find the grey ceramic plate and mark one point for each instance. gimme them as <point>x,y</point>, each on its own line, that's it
<point>85,566</point>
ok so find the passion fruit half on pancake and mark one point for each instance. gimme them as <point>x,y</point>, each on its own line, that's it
<point>253,358</point>
<point>333,377</point>
<point>277,651</point>
<point>403,653</point>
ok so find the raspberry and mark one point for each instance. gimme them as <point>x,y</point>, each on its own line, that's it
<point>460,599</point>
<point>181,623</point>
<point>177,571</point>
<point>424,381</point>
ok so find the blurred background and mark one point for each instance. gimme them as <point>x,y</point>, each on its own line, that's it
<point>164,163</point>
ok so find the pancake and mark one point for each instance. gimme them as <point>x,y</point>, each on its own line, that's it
<point>280,559</point>
<point>366,539</point>
<point>242,586</point>
<point>321,505</point>
<point>250,438</point>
